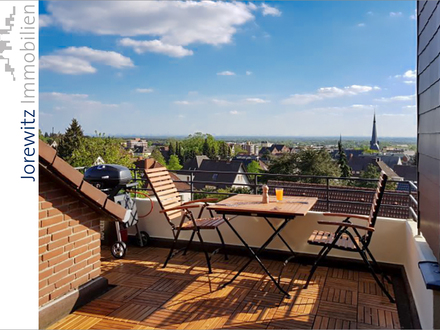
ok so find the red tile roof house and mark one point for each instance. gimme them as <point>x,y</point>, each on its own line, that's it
<point>70,211</point>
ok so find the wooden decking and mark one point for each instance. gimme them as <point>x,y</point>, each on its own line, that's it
<point>184,296</point>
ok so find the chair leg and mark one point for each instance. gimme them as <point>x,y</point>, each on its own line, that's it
<point>208,259</point>
<point>377,266</point>
<point>378,281</point>
<point>172,248</point>
<point>189,243</point>
<point>223,243</point>
<point>321,255</point>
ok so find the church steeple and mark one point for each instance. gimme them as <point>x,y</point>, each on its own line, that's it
<point>374,144</point>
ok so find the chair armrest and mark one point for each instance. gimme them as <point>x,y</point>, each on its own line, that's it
<point>203,200</point>
<point>346,215</point>
<point>345,224</point>
<point>181,207</point>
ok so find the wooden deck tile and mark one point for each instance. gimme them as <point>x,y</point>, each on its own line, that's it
<point>337,310</point>
<point>184,296</point>
<point>322,322</point>
<point>74,321</point>
<point>152,298</point>
<point>132,312</point>
<point>99,308</point>
<point>121,294</point>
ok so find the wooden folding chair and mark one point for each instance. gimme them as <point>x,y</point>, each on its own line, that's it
<point>172,207</point>
<point>344,239</point>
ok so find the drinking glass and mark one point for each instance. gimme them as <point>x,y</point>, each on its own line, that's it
<point>279,194</point>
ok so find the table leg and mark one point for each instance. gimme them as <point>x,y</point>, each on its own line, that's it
<point>282,239</point>
<point>255,255</point>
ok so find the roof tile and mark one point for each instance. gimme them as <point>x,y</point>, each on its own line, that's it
<point>47,153</point>
<point>68,172</point>
<point>95,194</point>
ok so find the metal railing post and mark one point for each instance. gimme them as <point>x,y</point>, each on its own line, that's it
<point>255,185</point>
<point>135,180</point>
<point>328,194</point>
<point>191,185</point>
<point>409,200</point>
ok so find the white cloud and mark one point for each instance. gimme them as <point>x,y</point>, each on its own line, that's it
<point>144,90</point>
<point>67,101</point>
<point>155,46</point>
<point>414,16</point>
<point>78,60</point>
<point>45,20</point>
<point>226,73</point>
<point>409,77</point>
<point>255,100</point>
<point>269,10</point>
<point>328,92</point>
<point>221,102</point>
<point>109,58</point>
<point>234,112</point>
<point>66,64</point>
<point>182,102</point>
<point>56,96</point>
<point>404,98</point>
<point>248,73</point>
<point>171,23</point>
<point>409,108</point>
<point>361,25</point>
<point>396,14</point>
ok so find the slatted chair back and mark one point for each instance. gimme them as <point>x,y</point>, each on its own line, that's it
<point>166,192</point>
<point>375,206</point>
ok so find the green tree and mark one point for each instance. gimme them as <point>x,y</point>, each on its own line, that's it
<point>42,136</point>
<point>90,148</point>
<point>70,141</point>
<point>343,163</point>
<point>206,148</point>
<point>173,163</point>
<point>306,162</point>
<point>172,148</point>
<point>157,155</point>
<point>372,172</point>
<point>223,150</point>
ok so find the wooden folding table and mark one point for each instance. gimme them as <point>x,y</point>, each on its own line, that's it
<point>252,206</point>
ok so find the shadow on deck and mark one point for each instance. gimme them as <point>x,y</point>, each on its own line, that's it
<point>185,296</point>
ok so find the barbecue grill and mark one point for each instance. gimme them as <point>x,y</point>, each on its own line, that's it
<point>114,180</point>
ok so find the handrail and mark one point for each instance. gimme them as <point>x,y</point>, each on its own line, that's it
<point>319,189</point>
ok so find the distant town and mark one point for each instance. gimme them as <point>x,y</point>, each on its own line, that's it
<point>208,157</point>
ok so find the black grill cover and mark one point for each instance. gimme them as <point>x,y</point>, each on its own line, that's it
<point>107,176</point>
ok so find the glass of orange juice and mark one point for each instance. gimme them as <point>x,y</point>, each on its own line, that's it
<point>279,194</point>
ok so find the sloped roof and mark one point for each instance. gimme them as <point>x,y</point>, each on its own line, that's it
<point>194,164</point>
<point>360,163</point>
<point>218,166</point>
<point>73,180</point>
<point>407,172</point>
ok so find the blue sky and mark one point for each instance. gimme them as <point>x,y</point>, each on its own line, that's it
<point>226,68</point>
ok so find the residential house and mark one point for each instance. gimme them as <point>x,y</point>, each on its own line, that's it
<point>216,177</point>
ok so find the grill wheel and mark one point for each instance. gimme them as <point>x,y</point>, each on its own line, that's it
<point>119,249</point>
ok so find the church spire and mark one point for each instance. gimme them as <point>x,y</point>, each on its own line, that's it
<point>374,144</point>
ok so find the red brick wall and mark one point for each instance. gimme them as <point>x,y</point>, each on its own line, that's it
<point>69,241</point>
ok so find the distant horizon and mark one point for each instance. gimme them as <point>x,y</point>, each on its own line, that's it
<point>270,136</point>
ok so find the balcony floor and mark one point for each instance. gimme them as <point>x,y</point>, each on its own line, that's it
<point>184,296</point>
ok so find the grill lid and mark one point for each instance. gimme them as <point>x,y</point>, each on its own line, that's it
<point>108,175</point>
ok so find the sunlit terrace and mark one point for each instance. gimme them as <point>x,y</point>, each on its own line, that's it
<point>184,296</point>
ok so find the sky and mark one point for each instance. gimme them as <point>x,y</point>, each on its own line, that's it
<point>172,68</point>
